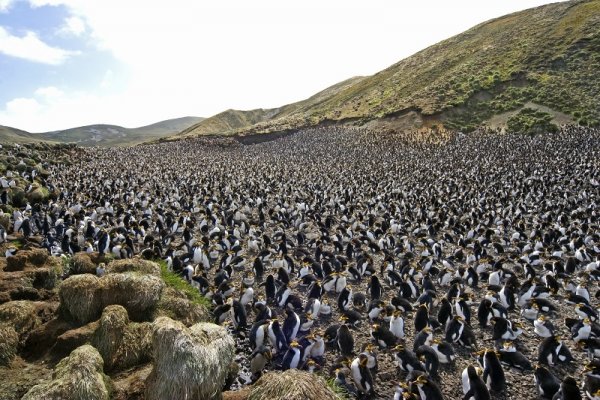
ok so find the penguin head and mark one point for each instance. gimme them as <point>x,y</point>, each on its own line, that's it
<point>363,359</point>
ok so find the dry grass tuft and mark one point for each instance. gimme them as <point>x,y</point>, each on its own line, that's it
<point>189,363</point>
<point>291,385</point>
<point>134,265</point>
<point>122,344</point>
<point>20,315</point>
<point>83,297</point>
<point>81,263</point>
<point>77,377</point>
<point>9,340</point>
<point>174,305</point>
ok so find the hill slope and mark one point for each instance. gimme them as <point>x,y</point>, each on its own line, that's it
<point>234,121</point>
<point>101,135</point>
<point>546,57</point>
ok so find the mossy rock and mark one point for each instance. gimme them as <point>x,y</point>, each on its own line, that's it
<point>77,377</point>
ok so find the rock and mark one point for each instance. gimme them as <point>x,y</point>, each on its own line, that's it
<point>134,265</point>
<point>9,341</point>
<point>77,377</point>
<point>189,363</point>
<point>291,385</point>
<point>121,343</point>
<point>16,262</point>
<point>72,339</point>
<point>21,315</point>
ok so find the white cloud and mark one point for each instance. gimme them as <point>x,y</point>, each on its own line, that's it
<point>30,47</point>
<point>73,26</point>
<point>5,5</point>
<point>189,57</point>
<point>49,92</point>
<point>22,107</point>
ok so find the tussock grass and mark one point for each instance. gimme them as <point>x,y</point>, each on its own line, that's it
<point>77,377</point>
<point>189,363</point>
<point>292,385</point>
<point>9,340</point>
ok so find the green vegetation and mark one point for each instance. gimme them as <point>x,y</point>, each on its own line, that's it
<point>176,282</point>
<point>532,122</point>
<point>339,391</point>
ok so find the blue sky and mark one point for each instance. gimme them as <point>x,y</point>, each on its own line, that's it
<point>66,63</point>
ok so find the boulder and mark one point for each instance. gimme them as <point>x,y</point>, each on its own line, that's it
<point>77,377</point>
<point>291,385</point>
<point>189,363</point>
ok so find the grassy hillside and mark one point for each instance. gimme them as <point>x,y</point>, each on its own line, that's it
<point>547,58</point>
<point>100,135</point>
<point>235,121</point>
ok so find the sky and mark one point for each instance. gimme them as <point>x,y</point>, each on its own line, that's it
<point>68,63</point>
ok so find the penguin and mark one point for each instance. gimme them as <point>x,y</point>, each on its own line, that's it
<point>270,289</point>
<point>543,327</point>
<point>552,351</point>
<point>276,337</point>
<point>586,311</point>
<point>382,336</point>
<point>345,340</point>
<point>546,383</point>
<point>421,319</point>
<point>375,290</point>
<point>397,325</point>
<point>221,312</point>
<point>361,375</point>
<point>424,337</point>
<point>262,311</point>
<point>568,390</point>
<point>463,310</point>
<point>344,298</point>
<point>407,360</point>
<point>473,386</point>
<point>427,389</point>
<point>374,309</point>
<point>509,355</point>
<point>293,356</point>
<point>239,317</point>
<point>581,330</point>
<point>258,334</point>
<point>291,325</point>
<point>340,381</point>
<point>258,361</point>
<point>282,295</point>
<point>429,358</point>
<point>493,374</point>
<point>445,312</point>
<point>444,350</point>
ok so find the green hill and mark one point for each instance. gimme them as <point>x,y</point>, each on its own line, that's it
<point>100,135</point>
<point>234,121</point>
<point>546,58</point>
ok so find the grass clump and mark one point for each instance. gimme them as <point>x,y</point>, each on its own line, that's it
<point>292,385</point>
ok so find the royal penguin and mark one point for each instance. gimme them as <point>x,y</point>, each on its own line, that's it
<point>292,358</point>
<point>345,340</point>
<point>444,350</point>
<point>552,351</point>
<point>397,325</point>
<point>258,361</point>
<point>473,386</point>
<point>429,359</point>
<point>510,356</point>
<point>291,325</point>
<point>428,389</point>
<point>407,360</point>
<point>546,383</point>
<point>361,375</point>
<point>493,374</point>
<point>276,337</point>
<point>568,390</point>
<point>238,317</point>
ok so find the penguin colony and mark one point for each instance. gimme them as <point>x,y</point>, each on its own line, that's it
<point>401,266</point>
